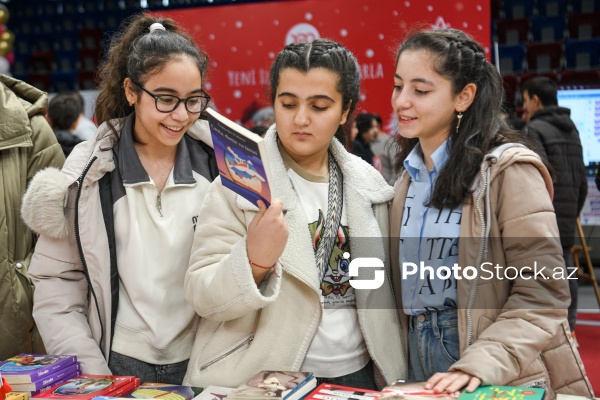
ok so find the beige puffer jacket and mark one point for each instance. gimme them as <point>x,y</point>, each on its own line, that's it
<point>512,332</point>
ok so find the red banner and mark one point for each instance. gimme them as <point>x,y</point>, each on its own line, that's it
<point>242,40</point>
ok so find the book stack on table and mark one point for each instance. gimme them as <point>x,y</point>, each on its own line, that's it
<point>34,373</point>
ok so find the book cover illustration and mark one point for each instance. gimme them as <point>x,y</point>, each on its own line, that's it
<point>504,393</point>
<point>48,380</point>
<point>240,159</point>
<point>27,368</point>
<point>328,391</point>
<point>273,384</point>
<point>88,386</point>
<point>42,389</point>
<point>213,392</point>
<point>413,391</point>
<point>164,391</point>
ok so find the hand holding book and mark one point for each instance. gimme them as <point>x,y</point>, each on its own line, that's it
<point>266,239</point>
<point>241,158</point>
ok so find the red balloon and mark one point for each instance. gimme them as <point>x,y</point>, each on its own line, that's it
<point>10,57</point>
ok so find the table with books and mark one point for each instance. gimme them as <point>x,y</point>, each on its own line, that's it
<point>52,377</point>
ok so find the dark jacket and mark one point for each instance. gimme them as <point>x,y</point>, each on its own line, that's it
<point>27,145</point>
<point>67,140</point>
<point>558,141</point>
<point>362,150</point>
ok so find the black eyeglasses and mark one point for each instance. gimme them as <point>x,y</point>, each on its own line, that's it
<point>167,103</point>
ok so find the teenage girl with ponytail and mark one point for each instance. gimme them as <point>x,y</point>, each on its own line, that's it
<point>116,224</point>
<point>471,194</point>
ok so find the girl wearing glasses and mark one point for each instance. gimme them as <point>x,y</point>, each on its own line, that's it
<point>116,224</point>
<point>273,285</point>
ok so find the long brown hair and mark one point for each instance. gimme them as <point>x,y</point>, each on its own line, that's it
<point>461,60</point>
<point>135,53</point>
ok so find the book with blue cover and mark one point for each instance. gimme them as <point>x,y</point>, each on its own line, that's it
<point>48,380</point>
<point>28,368</point>
<point>241,158</point>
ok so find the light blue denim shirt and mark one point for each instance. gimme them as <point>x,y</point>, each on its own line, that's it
<point>427,235</point>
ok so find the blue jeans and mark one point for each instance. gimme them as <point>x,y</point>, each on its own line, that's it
<point>362,379</point>
<point>169,373</point>
<point>432,343</point>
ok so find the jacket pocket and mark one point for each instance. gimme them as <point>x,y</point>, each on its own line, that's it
<point>237,347</point>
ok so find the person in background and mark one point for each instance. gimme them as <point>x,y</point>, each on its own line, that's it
<point>63,113</point>
<point>350,131</point>
<point>511,118</point>
<point>272,285</point>
<point>366,125</point>
<point>258,113</point>
<point>117,223</point>
<point>27,145</point>
<point>557,139</point>
<point>85,128</point>
<point>384,151</point>
<point>471,194</point>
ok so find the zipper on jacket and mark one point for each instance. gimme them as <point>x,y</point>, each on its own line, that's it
<point>247,341</point>
<point>86,272</point>
<point>159,203</point>
<point>479,256</point>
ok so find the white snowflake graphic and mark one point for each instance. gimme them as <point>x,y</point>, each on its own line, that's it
<point>440,23</point>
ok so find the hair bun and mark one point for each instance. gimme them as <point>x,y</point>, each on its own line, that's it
<point>156,26</point>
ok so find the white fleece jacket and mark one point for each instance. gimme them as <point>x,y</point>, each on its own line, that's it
<point>245,328</point>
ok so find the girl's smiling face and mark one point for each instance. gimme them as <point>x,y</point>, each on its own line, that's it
<point>423,100</point>
<point>180,77</point>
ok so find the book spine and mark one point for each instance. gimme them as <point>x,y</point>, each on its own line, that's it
<point>60,364</point>
<point>58,376</point>
<point>125,389</point>
<point>64,379</point>
<point>49,380</point>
